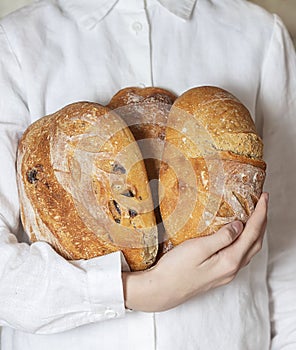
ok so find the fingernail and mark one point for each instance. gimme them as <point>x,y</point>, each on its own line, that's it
<point>236,227</point>
<point>266,197</point>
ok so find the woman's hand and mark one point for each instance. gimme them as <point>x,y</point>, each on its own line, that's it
<point>197,265</point>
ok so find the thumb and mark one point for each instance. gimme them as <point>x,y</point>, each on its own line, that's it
<point>210,245</point>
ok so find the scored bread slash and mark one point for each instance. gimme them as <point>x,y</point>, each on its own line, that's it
<point>212,171</point>
<point>83,186</point>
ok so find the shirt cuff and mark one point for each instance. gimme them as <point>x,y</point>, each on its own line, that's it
<point>104,285</point>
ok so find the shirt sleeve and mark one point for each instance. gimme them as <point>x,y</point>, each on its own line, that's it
<point>277,103</point>
<point>40,292</point>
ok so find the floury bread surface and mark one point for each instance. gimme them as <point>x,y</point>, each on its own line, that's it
<point>145,110</point>
<point>212,171</point>
<point>83,186</point>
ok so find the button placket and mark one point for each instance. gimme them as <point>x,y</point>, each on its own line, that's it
<point>138,48</point>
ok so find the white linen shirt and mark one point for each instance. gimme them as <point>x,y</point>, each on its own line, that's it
<point>56,52</point>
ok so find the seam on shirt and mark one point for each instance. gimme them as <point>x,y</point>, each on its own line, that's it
<point>265,58</point>
<point>10,47</point>
<point>22,93</point>
<point>147,14</point>
<point>155,331</point>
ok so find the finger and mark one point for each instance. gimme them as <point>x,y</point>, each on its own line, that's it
<point>209,245</point>
<point>252,252</point>
<point>258,219</point>
<point>254,229</point>
<point>233,257</point>
<point>255,249</point>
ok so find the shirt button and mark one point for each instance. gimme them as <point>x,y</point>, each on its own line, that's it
<point>110,313</point>
<point>137,27</point>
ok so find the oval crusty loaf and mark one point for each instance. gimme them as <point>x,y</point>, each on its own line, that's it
<point>212,171</point>
<point>83,186</point>
<point>145,111</point>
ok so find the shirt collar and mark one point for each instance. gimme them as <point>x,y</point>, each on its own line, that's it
<point>183,8</point>
<point>90,12</point>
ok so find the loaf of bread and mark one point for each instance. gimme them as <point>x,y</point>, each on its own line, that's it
<point>84,181</point>
<point>212,171</point>
<point>145,111</point>
<point>83,186</point>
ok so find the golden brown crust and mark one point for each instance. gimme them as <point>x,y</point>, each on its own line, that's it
<point>212,171</point>
<point>80,191</point>
<point>133,95</point>
<point>145,111</point>
<point>225,119</point>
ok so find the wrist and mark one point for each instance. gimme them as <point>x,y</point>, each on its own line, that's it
<point>139,290</point>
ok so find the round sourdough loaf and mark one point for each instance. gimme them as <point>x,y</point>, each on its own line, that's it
<point>83,186</point>
<point>212,171</point>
